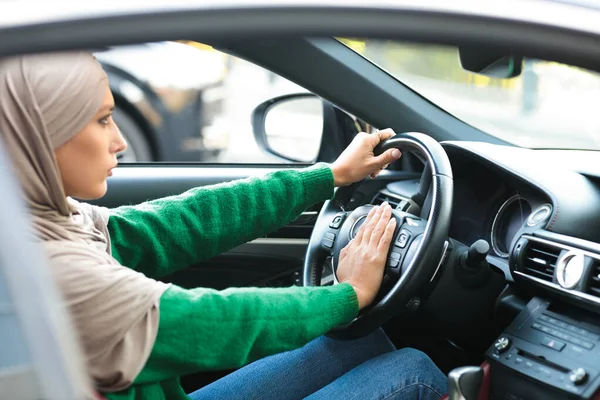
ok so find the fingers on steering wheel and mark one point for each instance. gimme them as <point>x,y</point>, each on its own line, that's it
<point>382,135</point>
<point>386,239</point>
<point>379,226</point>
<point>370,226</point>
<point>374,174</point>
<point>343,253</point>
<point>361,231</point>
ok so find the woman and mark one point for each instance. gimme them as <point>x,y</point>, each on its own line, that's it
<point>138,334</point>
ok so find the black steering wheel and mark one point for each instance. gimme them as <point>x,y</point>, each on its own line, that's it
<point>418,247</point>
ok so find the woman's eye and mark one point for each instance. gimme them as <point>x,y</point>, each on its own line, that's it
<point>105,120</point>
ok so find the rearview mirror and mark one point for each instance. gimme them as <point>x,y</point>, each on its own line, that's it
<point>489,62</point>
<point>290,126</point>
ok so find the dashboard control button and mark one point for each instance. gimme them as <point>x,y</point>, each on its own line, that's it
<point>540,214</point>
<point>576,341</point>
<point>545,372</point>
<point>553,343</point>
<point>587,345</point>
<point>502,344</point>
<point>518,360</point>
<point>562,325</point>
<point>578,376</point>
<point>578,351</point>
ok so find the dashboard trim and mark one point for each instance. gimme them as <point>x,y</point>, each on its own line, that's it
<point>554,286</point>
<point>442,259</point>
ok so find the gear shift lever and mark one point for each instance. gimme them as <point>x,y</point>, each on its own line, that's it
<point>464,383</point>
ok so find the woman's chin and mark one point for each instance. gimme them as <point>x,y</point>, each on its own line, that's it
<point>93,193</point>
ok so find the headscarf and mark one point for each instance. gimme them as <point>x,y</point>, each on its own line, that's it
<point>45,100</point>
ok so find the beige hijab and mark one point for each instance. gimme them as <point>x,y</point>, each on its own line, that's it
<point>45,100</point>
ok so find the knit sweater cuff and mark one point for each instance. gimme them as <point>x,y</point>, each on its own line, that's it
<point>346,304</point>
<point>318,181</point>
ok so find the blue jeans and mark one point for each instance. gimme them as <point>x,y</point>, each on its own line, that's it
<point>365,368</point>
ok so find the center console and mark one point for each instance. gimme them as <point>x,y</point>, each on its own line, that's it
<point>550,351</point>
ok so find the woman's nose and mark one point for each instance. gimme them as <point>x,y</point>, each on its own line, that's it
<point>121,143</point>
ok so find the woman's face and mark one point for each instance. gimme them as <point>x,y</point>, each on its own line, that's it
<point>87,159</point>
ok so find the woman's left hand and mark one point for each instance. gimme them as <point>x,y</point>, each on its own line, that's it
<point>358,161</point>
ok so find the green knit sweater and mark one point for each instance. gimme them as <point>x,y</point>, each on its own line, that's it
<point>205,329</point>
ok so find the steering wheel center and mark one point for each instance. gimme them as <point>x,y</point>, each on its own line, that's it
<point>356,226</point>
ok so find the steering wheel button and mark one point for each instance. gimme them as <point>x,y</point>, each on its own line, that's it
<point>329,236</point>
<point>403,238</point>
<point>393,263</point>
<point>394,255</point>
<point>337,221</point>
<point>328,243</point>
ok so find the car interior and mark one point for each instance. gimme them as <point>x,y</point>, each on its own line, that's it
<point>494,270</point>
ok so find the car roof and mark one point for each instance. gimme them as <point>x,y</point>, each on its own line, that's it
<point>572,14</point>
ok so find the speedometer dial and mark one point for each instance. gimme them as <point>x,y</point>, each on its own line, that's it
<point>510,217</point>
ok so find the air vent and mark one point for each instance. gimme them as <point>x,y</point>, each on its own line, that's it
<point>539,260</point>
<point>594,282</point>
<point>383,196</point>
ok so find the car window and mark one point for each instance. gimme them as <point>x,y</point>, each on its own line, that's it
<point>549,105</point>
<point>187,102</point>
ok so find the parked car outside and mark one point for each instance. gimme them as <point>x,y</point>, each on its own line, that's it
<point>169,97</point>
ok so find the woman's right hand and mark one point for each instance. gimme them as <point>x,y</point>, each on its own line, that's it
<point>362,261</point>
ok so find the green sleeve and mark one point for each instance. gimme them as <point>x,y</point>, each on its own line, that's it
<point>205,329</point>
<point>161,236</point>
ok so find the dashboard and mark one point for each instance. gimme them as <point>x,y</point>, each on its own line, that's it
<point>489,205</point>
<point>541,218</point>
<point>534,211</point>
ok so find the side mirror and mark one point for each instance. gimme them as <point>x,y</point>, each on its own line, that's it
<point>489,62</point>
<point>290,126</point>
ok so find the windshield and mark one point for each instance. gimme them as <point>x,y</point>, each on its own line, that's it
<point>549,105</point>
